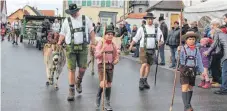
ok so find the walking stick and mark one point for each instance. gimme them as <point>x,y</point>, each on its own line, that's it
<point>92,65</point>
<point>178,60</point>
<point>156,71</point>
<point>104,69</point>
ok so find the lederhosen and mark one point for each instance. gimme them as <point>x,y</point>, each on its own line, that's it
<point>77,47</point>
<point>16,31</point>
<point>109,68</point>
<point>147,54</point>
<point>188,73</point>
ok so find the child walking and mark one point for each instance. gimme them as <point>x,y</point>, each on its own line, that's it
<point>190,63</point>
<point>111,58</point>
<point>205,80</point>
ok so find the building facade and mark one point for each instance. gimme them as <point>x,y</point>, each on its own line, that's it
<point>135,6</point>
<point>104,11</point>
<point>170,10</point>
<point>3,11</point>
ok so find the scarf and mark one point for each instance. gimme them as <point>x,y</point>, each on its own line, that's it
<point>192,47</point>
<point>108,41</point>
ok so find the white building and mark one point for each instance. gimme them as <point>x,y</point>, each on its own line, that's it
<point>170,10</point>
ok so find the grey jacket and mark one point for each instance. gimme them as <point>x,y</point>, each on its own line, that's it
<point>173,37</point>
<point>223,41</point>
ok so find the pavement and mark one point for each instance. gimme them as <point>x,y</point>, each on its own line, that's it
<point>167,59</point>
<point>23,87</point>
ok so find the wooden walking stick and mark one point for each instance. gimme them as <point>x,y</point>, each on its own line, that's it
<point>104,68</point>
<point>92,64</point>
<point>178,61</point>
<point>156,70</point>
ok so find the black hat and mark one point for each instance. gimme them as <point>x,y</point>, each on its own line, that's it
<point>109,29</point>
<point>149,15</point>
<point>72,9</point>
<point>161,18</point>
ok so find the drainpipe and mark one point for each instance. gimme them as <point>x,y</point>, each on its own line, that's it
<point>124,11</point>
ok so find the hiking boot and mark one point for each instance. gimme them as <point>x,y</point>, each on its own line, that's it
<point>207,85</point>
<point>71,94</point>
<point>190,109</point>
<point>146,85</point>
<point>16,43</point>
<point>13,42</point>
<point>202,83</point>
<point>78,85</point>
<point>141,84</point>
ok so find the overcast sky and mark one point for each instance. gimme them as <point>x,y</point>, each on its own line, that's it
<point>13,5</point>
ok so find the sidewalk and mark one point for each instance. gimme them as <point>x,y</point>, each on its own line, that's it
<point>167,59</point>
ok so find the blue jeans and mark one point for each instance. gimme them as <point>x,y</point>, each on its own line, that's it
<point>224,76</point>
<point>162,53</point>
<point>173,50</point>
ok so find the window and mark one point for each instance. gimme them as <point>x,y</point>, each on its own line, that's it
<point>140,10</point>
<point>77,2</point>
<point>161,15</point>
<point>121,3</point>
<point>95,3</point>
<point>115,3</point>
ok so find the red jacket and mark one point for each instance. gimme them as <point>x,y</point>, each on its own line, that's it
<point>224,30</point>
<point>3,31</point>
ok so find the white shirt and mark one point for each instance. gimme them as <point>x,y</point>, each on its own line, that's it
<point>56,27</point>
<point>150,41</point>
<point>16,25</point>
<point>76,23</point>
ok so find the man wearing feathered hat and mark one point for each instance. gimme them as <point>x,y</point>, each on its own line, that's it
<point>77,31</point>
<point>150,36</point>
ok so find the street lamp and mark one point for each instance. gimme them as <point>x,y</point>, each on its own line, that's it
<point>57,11</point>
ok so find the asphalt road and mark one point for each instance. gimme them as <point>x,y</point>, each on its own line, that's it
<point>23,87</point>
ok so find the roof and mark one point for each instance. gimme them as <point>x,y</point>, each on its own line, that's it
<point>48,12</point>
<point>26,12</point>
<point>35,11</point>
<point>134,16</point>
<point>15,12</point>
<point>167,5</point>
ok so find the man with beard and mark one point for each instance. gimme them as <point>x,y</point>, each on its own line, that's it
<point>77,31</point>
